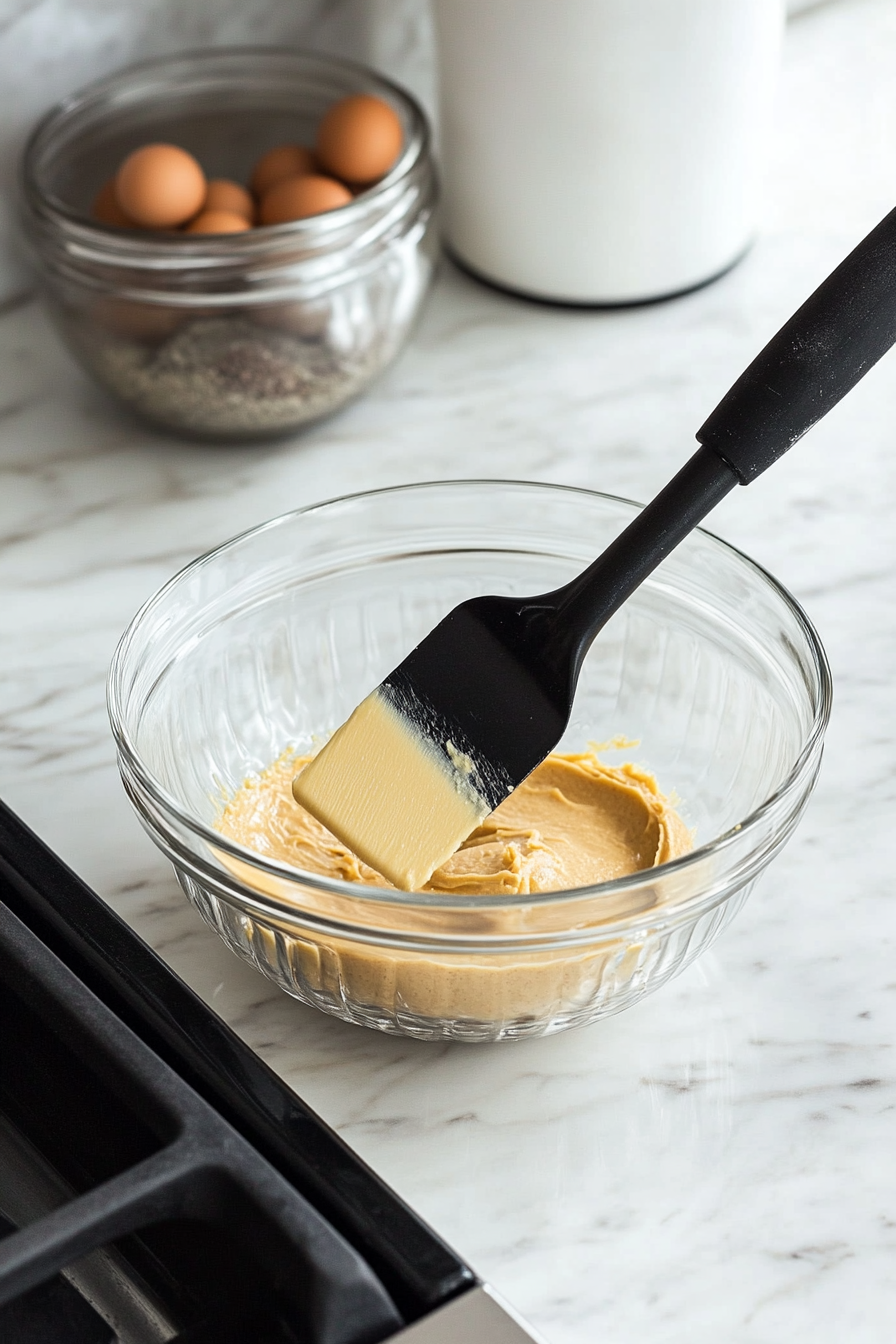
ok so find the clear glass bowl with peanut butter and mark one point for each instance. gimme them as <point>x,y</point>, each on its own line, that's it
<point>694,745</point>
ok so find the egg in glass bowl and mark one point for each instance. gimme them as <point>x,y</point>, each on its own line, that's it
<point>227,335</point>
<point>265,645</point>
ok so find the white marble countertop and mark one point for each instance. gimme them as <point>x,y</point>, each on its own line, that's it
<point>715,1164</point>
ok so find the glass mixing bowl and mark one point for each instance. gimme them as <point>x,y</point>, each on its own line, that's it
<point>230,336</point>
<point>270,641</point>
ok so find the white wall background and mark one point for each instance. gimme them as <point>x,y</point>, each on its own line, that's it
<point>50,47</point>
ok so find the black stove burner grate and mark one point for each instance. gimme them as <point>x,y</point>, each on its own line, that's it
<point>157,1181</point>
<point>52,1313</point>
<point>121,1177</point>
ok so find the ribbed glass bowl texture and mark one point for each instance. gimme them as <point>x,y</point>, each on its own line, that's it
<point>269,642</point>
<point>230,336</point>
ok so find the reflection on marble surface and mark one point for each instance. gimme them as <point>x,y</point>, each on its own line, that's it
<point>714,1164</point>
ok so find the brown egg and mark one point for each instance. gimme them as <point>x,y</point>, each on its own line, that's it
<point>223,194</point>
<point>359,139</point>
<point>299,197</point>
<point>279,163</point>
<point>218,221</point>
<point>160,186</point>
<point>106,208</point>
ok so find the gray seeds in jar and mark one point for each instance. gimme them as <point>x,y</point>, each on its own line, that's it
<point>231,376</point>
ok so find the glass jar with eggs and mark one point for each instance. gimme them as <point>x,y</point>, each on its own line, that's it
<point>233,242</point>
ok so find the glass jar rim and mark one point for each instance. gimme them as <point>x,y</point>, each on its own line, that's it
<point>96,243</point>
<point>139,774</point>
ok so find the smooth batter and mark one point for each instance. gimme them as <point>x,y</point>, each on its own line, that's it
<point>574,822</point>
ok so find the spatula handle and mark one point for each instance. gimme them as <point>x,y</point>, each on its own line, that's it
<point>813,361</point>
<point>816,357</point>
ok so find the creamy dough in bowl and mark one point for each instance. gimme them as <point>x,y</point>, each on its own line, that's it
<point>574,823</point>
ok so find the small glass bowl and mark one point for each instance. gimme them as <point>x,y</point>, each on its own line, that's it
<point>233,336</point>
<point>271,640</point>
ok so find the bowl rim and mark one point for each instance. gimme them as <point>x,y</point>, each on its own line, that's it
<point>389,896</point>
<point>154,247</point>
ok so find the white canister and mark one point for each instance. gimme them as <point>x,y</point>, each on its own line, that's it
<point>604,151</point>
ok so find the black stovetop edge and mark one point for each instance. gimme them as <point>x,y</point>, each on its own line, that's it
<point>118,1175</point>
<point>419,1270</point>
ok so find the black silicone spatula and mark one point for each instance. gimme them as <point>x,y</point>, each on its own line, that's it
<point>487,695</point>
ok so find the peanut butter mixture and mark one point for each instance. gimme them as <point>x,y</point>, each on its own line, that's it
<point>573,823</point>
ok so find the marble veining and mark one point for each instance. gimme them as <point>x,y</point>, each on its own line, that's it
<point>714,1164</point>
